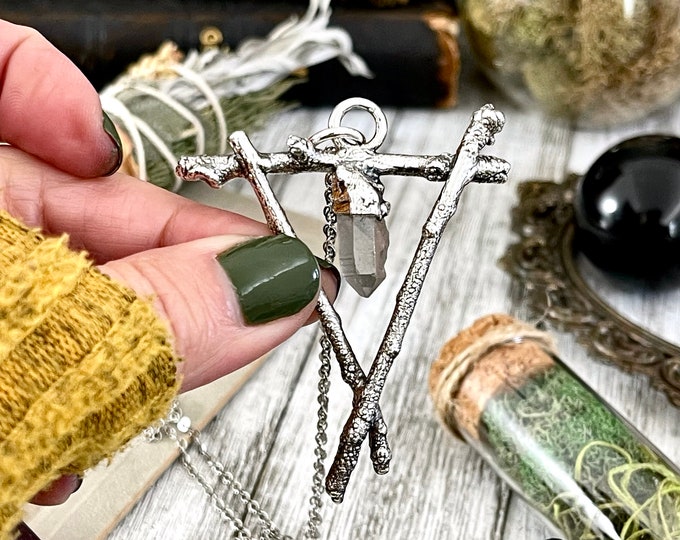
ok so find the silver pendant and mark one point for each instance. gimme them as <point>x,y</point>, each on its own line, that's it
<point>354,169</point>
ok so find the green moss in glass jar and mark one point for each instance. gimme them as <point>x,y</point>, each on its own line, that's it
<point>620,479</point>
<point>500,386</point>
<point>594,62</point>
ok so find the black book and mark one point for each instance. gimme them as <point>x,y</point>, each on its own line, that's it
<point>412,50</point>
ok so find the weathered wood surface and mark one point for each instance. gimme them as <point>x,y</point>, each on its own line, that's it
<point>438,488</point>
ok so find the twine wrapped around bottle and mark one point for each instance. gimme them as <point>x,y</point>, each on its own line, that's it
<point>500,386</point>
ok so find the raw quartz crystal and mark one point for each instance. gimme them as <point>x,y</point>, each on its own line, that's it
<point>362,247</point>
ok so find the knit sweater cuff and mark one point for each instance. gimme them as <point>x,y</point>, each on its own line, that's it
<point>85,365</point>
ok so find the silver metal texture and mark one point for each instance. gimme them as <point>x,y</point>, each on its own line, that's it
<point>235,505</point>
<point>348,152</point>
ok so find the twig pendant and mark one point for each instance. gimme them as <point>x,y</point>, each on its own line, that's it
<point>354,170</point>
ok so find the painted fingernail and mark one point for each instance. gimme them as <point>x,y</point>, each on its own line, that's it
<point>77,483</point>
<point>117,154</point>
<point>23,532</point>
<point>274,277</point>
<point>325,265</point>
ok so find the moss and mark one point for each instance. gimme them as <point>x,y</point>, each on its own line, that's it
<point>586,60</point>
<point>553,433</point>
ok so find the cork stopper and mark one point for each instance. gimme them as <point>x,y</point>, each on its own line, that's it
<point>495,354</point>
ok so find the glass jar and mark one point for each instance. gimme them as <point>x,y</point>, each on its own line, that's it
<point>500,386</point>
<point>592,62</point>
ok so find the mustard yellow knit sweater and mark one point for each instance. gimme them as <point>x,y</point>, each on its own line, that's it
<point>85,365</point>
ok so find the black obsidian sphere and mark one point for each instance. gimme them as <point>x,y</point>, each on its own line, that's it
<point>627,208</point>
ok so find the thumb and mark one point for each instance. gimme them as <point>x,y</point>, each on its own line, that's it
<point>227,299</point>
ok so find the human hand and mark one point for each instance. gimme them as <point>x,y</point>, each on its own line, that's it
<point>156,242</point>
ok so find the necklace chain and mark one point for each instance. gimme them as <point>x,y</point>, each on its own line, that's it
<point>177,427</point>
<point>222,485</point>
<point>316,501</point>
<point>329,229</point>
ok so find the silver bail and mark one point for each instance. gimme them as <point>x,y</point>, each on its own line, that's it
<point>363,238</point>
<point>359,205</point>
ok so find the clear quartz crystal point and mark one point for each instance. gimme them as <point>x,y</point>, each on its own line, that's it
<point>362,249</point>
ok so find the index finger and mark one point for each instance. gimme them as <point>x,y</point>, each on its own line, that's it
<point>111,219</point>
<point>49,109</point>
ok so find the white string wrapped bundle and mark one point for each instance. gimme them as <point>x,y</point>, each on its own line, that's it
<point>168,104</point>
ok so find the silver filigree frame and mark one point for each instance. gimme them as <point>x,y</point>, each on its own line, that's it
<point>543,262</point>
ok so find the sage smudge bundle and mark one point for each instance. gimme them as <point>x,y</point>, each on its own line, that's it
<point>170,103</point>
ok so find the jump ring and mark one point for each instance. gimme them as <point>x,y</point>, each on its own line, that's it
<point>348,135</point>
<point>376,112</point>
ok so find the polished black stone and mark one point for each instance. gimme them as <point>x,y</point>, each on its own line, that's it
<point>627,208</point>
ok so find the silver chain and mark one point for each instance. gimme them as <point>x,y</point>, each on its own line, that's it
<point>329,229</point>
<point>316,501</point>
<point>177,427</point>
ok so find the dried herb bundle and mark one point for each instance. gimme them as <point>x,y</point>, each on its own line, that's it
<point>595,62</point>
<point>169,103</point>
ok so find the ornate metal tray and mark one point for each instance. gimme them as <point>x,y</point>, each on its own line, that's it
<point>543,261</point>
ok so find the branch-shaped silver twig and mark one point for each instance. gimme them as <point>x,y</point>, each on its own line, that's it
<point>249,167</point>
<point>351,153</point>
<point>216,171</point>
<point>484,125</point>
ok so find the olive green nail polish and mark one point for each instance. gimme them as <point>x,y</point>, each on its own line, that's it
<point>325,265</point>
<point>117,156</point>
<point>274,277</point>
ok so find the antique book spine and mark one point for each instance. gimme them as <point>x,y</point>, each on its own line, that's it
<point>411,50</point>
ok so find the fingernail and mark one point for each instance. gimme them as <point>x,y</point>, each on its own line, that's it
<point>78,482</point>
<point>23,532</point>
<point>325,265</point>
<point>117,155</point>
<point>274,276</point>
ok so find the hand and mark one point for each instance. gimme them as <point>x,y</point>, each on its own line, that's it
<point>156,242</point>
